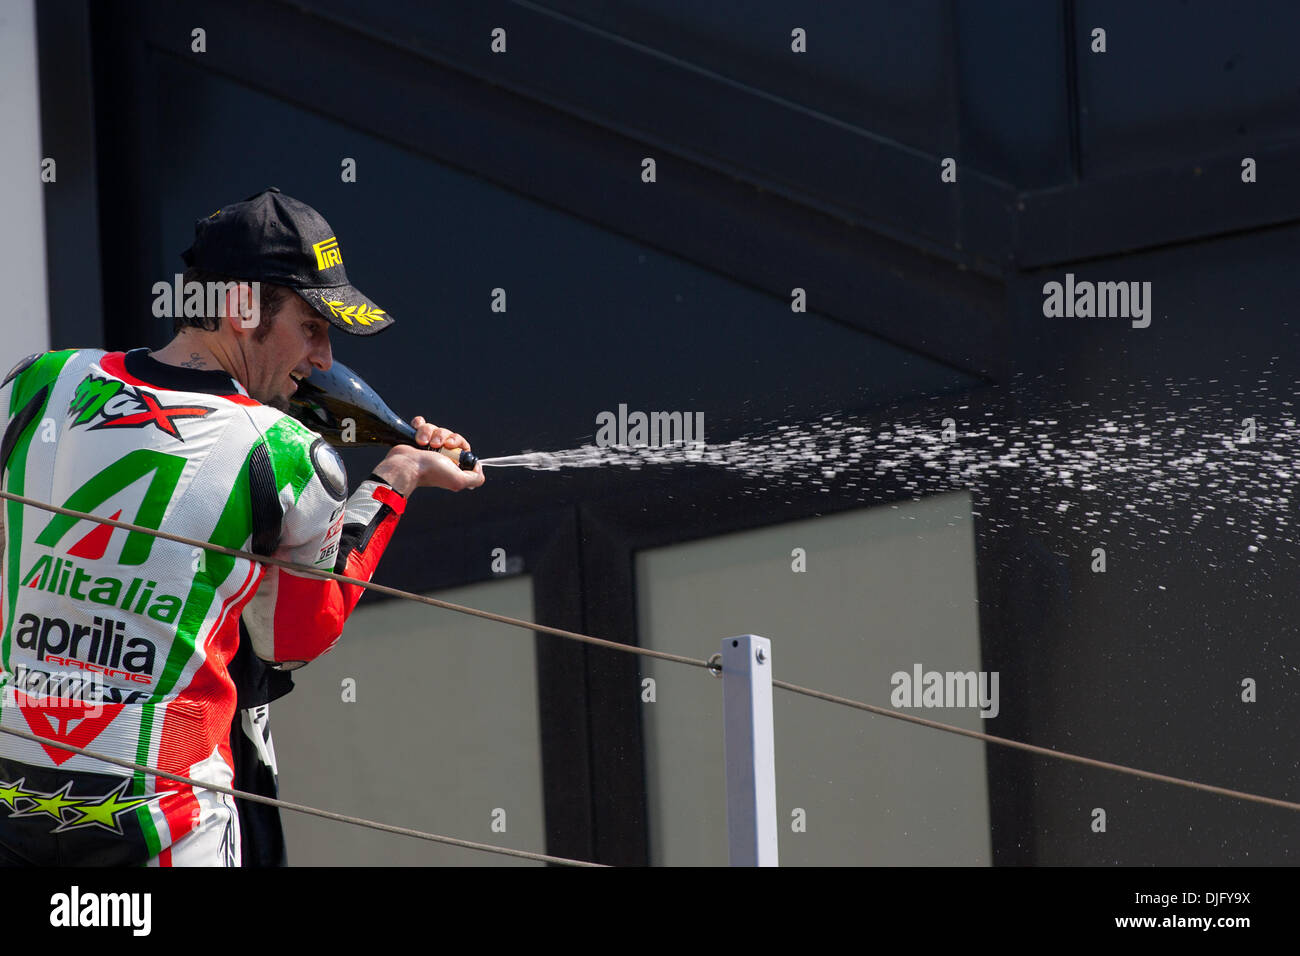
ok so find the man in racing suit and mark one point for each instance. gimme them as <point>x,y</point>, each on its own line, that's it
<point>121,642</point>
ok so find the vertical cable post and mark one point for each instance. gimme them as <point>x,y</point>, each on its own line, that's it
<point>750,750</point>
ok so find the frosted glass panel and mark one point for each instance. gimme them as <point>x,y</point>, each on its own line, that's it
<point>884,589</point>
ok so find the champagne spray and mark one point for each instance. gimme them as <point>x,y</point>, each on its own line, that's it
<point>327,401</point>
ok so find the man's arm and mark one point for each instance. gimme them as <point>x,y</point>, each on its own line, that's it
<point>294,618</point>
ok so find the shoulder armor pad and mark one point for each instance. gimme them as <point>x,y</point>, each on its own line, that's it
<point>330,469</point>
<point>20,367</point>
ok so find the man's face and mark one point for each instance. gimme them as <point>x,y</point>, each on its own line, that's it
<point>296,342</point>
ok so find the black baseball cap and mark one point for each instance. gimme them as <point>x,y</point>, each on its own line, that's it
<point>271,237</point>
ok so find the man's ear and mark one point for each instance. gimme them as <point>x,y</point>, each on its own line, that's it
<point>243,306</point>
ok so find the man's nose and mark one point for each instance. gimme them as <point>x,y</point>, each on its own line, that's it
<point>323,357</point>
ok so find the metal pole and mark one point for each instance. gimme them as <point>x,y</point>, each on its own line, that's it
<point>750,750</point>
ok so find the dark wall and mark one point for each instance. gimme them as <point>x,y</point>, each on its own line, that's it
<point>478,171</point>
<point>1143,665</point>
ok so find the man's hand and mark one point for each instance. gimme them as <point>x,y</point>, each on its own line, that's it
<point>407,468</point>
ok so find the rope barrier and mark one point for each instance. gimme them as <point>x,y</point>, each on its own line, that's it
<point>1034,748</point>
<point>312,811</point>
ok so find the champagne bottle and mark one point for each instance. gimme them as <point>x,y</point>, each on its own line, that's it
<point>327,402</point>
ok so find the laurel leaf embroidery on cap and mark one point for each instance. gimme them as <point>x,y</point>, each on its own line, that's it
<point>362,313</point>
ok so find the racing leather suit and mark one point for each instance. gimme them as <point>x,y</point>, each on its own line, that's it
<point>120,641</point>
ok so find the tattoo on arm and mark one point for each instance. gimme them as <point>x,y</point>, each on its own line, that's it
<point>195,361</point>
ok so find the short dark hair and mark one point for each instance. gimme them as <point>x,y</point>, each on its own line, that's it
<point>271,299</point>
